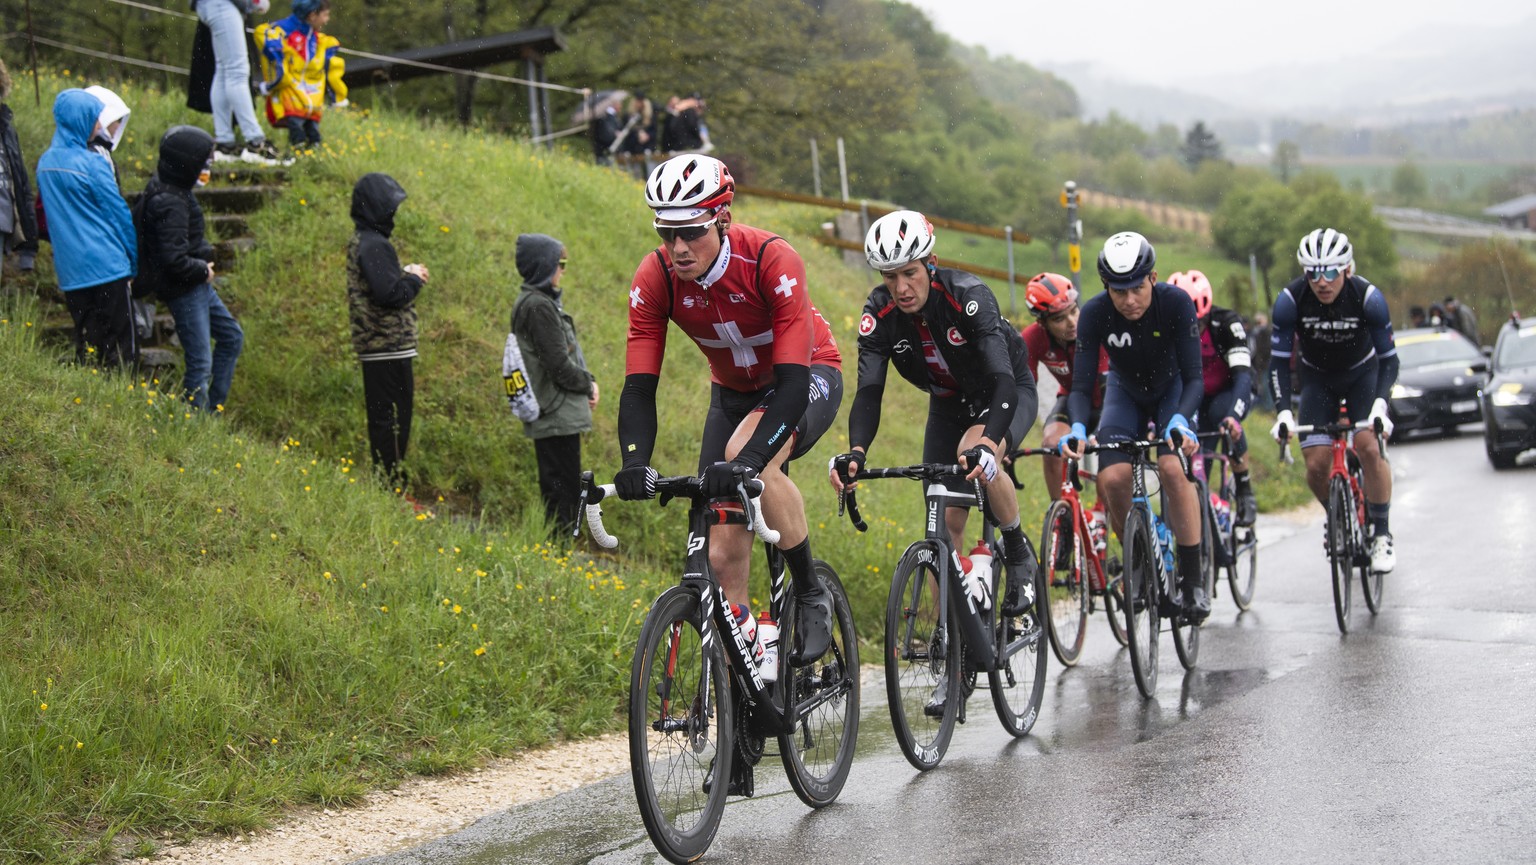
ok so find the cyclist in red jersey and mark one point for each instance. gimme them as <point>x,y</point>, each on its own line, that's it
<point>1051,342</point>
<point>776,376</point>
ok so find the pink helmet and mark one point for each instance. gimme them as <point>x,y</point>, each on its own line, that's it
<point>1197,287</point>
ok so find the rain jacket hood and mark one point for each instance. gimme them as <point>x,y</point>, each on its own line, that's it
<point>184,153</point>
<point>75,113</point>
<point>113,109</point>
<point>375,199</point>
<point>538,256</point>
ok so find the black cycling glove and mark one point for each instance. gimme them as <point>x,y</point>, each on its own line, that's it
<point>721,479</point>
<point>635,483</point>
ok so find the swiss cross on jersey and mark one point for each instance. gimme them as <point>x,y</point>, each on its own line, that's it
<point>752,314</point>
<point>942,381</point>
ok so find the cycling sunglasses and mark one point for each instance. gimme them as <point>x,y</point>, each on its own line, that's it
<point>1323,274</point>
<point>685,233</point>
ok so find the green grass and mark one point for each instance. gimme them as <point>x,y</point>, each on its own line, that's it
<point>227,617</point>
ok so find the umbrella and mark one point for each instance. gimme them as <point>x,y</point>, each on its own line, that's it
<point>597,103</point>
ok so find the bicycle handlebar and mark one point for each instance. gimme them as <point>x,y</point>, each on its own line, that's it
<point>1333,430</point>
<point>1139,446</point>
<point>847,499</point>
<point>1073,475</point>
<point>683,486</point>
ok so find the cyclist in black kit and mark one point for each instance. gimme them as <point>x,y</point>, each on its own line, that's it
<point>1227,369</point>
<point>1152,336</point>
<point>1341,325</point>
<point>943,330</point>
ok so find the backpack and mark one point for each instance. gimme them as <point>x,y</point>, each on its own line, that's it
<point>514,378</point>
<point>145,283</point>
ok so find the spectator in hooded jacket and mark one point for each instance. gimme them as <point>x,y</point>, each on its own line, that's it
<point>95,250</point>
<point>18,216</point>
<point>381,298</point>
<point>298,63</point>
<point>557,371</point>
<point>179,267</point>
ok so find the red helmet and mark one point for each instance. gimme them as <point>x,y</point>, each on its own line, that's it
<point>1197,287</point>
<point>1048,293</point>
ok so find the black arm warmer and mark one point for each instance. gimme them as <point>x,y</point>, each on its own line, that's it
<point>791,394</point>
<point>637,419</point>
<point>1000,418</point>
<point>1386,375</point>
<point>864,416</point>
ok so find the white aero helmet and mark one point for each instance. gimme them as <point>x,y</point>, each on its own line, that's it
<point>897,238</point>
<point>1325,247</point>
<point>689,186</point>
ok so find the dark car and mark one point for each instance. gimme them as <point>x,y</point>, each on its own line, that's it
<point>1438,381</point>
<point>1509,416</point>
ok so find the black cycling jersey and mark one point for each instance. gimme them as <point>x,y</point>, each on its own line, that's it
<point>1332,337</point>
<point>1145,355</point>
<point>980,355</point>
<point>1226,364</point>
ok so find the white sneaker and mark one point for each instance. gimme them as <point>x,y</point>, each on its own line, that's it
<point>1383,560</point>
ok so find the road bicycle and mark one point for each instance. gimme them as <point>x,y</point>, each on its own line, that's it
<point>1235,547</point>
<point>700,711</point>
<point>1078,578</point>
<point>1348,550</point>
<point>938,642</point>
<point>1150,574</point>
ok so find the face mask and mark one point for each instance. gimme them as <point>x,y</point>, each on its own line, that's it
<point>206,174</point>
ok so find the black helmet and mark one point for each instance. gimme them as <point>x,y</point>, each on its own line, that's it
<point>1126,260</point>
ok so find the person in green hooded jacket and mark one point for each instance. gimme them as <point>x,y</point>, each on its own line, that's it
<point>558,374</point>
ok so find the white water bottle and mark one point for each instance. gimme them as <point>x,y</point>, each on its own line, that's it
<point>748,627</point>
<point>768,647</point>
<point>978,580</point>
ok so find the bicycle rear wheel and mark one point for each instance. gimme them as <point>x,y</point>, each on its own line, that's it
<point>1141,577</point>
<point>823,704</point>
<point>1242,553</point>
<point>680,728</point>
<point>1114,596</point>
<point>922,653</point>
<point>1064,602</point>
<point>1371,583</point>
<point>1186,636</point>
<point>1341,551</point>
<point>1018,683</point>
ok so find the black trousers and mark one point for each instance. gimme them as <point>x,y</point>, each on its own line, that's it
<point>389,389</point>
<point>103,316</point>
<point>560,479</point>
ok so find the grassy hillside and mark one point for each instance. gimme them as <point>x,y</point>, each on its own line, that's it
<point>208,620</point>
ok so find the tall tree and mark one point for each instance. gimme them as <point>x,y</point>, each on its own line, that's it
<point>1200,144</point>
<point>1287,159</point>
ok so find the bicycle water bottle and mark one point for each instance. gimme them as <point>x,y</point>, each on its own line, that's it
<point>1223,510</point>
<point>768,647</point>
<point>978,577</point>
<point>748,627</point>
<point>1098,528</point>
<point>970,599</point>
<point>1165,537</point>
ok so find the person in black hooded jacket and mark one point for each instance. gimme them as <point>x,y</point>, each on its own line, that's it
<point>381,301</point>
<point>177,265</point>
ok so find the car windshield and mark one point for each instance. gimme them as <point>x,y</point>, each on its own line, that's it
<point>1518,349</point>
<point>1429,349</point>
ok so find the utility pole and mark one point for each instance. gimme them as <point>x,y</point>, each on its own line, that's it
<point>1069,199</point>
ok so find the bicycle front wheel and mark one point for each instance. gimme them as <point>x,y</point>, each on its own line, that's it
<point>1114,595</point>
<point>922,658</point>
<point>680,728</point>
<point>1142,595</point>
<point>1018,683</point>
<point>1341,548</point>
<point>1186,635</point>
<point>1064,602</point>
<point>822,705</point>
<point>1371,582</point>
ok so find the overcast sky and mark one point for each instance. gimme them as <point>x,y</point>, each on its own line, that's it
<point>1178,42</point>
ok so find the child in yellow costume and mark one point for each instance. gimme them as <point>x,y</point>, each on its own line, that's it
<point>298,62</point>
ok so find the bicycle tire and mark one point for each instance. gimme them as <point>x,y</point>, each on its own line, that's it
<point>1065,594</point>
<point>1114,597</point>
<point>1341,552</point>
<point>1142,596</point>
<point>1018,682</point>
<point>672,754</point>
<point>922,649</point>
<point>1242,548</point>
<point>1186,636</point>
<point>822,706</point>
<point>1371,583</point>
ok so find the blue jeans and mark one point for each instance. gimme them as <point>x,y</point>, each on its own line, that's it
<point>200,317</point>
<point>231,93</point>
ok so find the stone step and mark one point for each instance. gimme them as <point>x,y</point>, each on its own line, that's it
<point>228,252</point>
<point>228,225</point>
<point>228,199</point>
<point>158,358</point>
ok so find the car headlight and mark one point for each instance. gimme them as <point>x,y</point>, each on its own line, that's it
<point>1504,398</point>
<point>1403,391</point>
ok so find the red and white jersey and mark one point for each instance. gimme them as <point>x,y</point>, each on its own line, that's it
<point>749,312</point>
<point>1057,359</point>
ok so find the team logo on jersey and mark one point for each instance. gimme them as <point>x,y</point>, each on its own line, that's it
<point>690,301</point>
<point>634,297</point>
<point>1237,330</point>
<point>955,337</point>
<point>1118,340</point>
<point>820,389</point>
<point>902,345</point>
<point>970,308</point>
<point>866,325</point>
<point>738,298</point>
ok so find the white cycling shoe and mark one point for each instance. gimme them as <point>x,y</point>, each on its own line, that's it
<point>1383,559</point>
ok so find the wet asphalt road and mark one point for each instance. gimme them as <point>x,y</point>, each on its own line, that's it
<point>1408,740</point>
